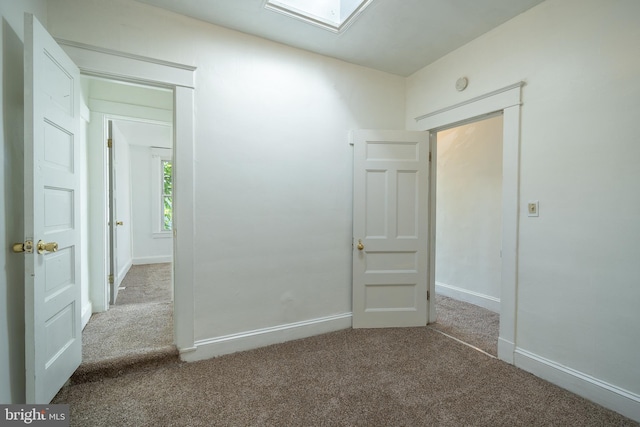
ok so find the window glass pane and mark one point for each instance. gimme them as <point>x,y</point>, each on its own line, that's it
<point>167,195</point>
<point>167,181</point>
<point>167,217</point>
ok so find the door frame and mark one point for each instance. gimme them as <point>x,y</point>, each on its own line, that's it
<point>508,101</point>
<point>114,65</point>
<point>112,249</point>
<point>143,115</point>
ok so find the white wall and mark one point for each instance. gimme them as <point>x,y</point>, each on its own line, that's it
<point>148,247</point>
<point>273,165</point>
<point>468,212</point>
<point>578,293</point>
<point>11,195</point>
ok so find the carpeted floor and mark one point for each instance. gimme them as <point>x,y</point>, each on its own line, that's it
<point>370,377</point>
<point>124,338</point>
<point>145,284</point>
<point>374,377</point>
<point>133,328</point>
<point>474,325</point>
<point>135,333</point>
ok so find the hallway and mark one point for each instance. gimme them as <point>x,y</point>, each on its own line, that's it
<point>135,332</point>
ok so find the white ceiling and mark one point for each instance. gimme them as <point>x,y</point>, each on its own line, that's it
<point>396,36</point>
<point>147,133</point>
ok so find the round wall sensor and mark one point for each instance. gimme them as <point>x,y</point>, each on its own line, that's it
<point>461,84</point>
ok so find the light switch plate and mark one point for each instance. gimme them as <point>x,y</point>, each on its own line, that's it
<point>533,208</point>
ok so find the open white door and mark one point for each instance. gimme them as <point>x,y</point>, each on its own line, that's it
<point>113,221</point>
<point>53,340</point>
<point>390,228</point>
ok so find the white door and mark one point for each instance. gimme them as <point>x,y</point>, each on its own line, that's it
<point>113,218</point>
<point>53,333</point>
<point>390,228</point>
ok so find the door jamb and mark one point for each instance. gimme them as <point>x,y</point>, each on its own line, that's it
<point>507,100</point>
<point>111,64</point>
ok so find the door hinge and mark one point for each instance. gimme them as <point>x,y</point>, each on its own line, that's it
<point>429,155</point>
<point>428,296</point>
<point>111,280</point>
<point>109,143</point>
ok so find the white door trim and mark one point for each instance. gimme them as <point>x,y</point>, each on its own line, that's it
<point>125,66</point>
<point>507,100</point>
<point>181,79</point>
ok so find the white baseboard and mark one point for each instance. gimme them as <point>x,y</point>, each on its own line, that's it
<point>152,260</point>
<point>212,347</point>
<point>87,310</point>
<point>607,395</point>
<point>476,298</point>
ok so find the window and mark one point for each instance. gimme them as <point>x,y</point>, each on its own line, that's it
<point>167,195</point>
<point>161,197</point>
<point>332,15</point>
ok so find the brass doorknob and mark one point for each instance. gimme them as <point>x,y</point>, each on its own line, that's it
<point>26,247</point>
<point>47,247</point>
<point>119,223</point>
<point>360,245</point>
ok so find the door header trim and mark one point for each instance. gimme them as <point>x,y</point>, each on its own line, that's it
<point>93,60</point>
<point>508,103</point>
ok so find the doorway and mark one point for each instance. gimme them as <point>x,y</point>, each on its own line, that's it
<point>468,231</point>
<point>130,134</point>
<point>508,101</point>
<point>131,144</point>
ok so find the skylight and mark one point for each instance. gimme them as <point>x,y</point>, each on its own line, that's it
<point>332,15</point>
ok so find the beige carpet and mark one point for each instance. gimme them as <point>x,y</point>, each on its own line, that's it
<point>146,284</point>
<point>474,325</point>
<point>135,333</point>
<point>124,338</point>
<point>376,377</point>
